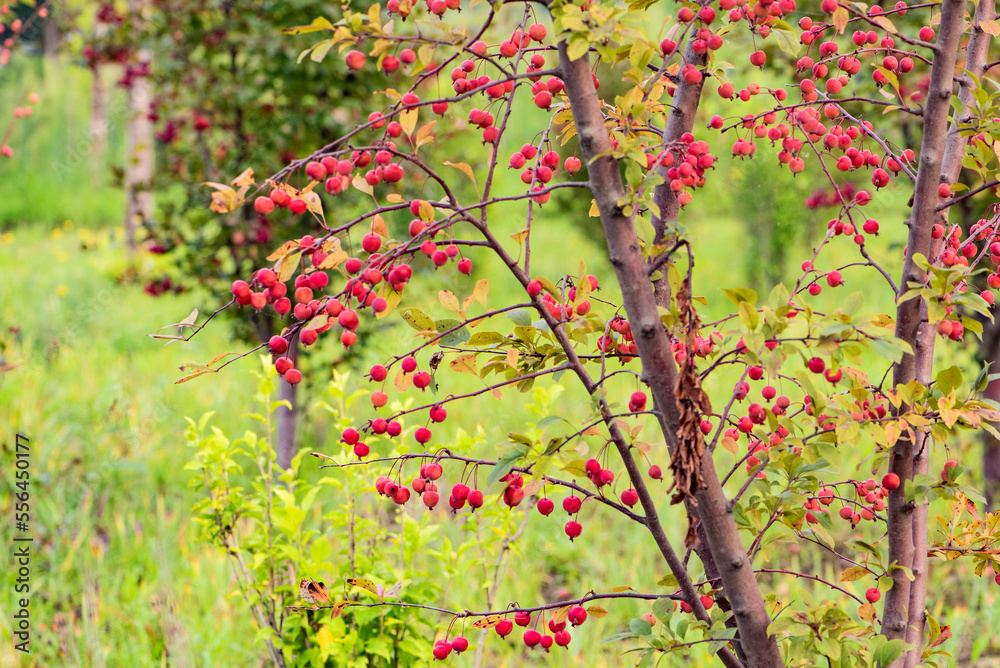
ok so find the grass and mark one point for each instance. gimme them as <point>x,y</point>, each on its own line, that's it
<point>119,579</point>
<point>58,171</point>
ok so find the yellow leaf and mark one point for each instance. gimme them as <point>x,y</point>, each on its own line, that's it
<point>282,250</point>
<point>482,291</point>
<point>378,227</point>
<point>448,300</point>
<point>392,299</point>
<point>465,169</point>
<point>374,20</point>
<point>512,355</point>
<point>359,183</point>
<point>487,622</point>
<point>840,18</point>
<point>990,28</point>
<point>394,198</point>
<point>363,583</point>
<point>318,23</point>
<point>197,373</point>
<point>286,266</point>
<point>884,23</point>
<point>594,430</point>
<point>597,612</point>
<point>465,364</point>
<point>424,135</point>
<point>408,119</point>
<point>219,357</point>
<point>244,179</point>
<point>403,381</point>
<point>426,211</point>
<point>314,204</point>
<point>594,211</point>
<point>867,612</point>
<point>622,588</point>
<point>853,573</point>
<point>561,615</point>
<point>221,187</point>
<point>730,444</point>
<point>333,260</point>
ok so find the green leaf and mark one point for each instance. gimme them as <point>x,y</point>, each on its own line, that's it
<point>417,319</point>
<point>576,467</point>
<point>578,47</point>
<point>318,23</point>
<point>519,316</point>
<point>485,338</point>
<point>737,295</point>
<point>890,651</point>
<point>456,338</point>
<point>949,379</point>
<point>502,468</point>
<point>618,637</point>
<point>982,380</point>
<point>788,41</point>
<point>749,315</point>
<point>887,350</point>
<point>640,627</point>
<point>668,581</point>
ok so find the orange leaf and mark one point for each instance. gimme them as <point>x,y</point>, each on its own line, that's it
<point>378,227</point>
<point>487,622</point>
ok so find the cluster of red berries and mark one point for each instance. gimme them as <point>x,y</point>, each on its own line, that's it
<point>686,166</point>
<point>19,112</point>
<point>532,638</point>
<point>444,647</point>
<point>562,311</point>
<point>624,345</point>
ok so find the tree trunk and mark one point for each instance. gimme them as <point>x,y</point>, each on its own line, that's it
<point>903,615</point>
<point>139,145</point>
<point>138,157</point>
<point>50,35</point>
<point>659,371</point>
<point>98,126</point>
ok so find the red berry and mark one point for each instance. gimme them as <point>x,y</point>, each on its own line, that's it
<point>873,595</point>
<point>577,615</point>
<point>572,504</point>
<point>355,59</point>
<point>545,505</point>
<point>278,345</point>
<point>573,529</point>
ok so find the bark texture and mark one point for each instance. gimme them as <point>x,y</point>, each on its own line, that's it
<point>650,336</point>
<point>907,535</point>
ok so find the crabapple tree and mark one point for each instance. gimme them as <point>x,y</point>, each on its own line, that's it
<point>753,471</point>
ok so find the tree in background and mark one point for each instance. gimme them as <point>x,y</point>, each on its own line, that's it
<point>221,91</point>
<point>813,381</point>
